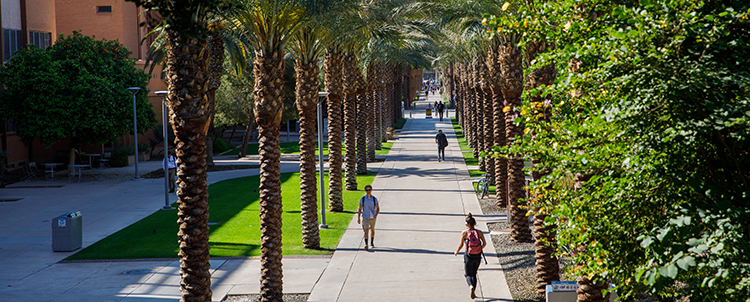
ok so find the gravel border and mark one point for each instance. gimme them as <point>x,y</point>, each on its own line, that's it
<point>517,259</point>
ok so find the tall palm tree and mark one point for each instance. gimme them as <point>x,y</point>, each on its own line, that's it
<point>270,24</point>
<point>215,70</point>
<point>511,70</point>
<point>372,78</point>
<point>362,108</point>
<point>187,75</point>
<point>307,49</point>
<point>334,72</point>
<point>350,118</point>
<point>498,120</point>
<point>547,265</point>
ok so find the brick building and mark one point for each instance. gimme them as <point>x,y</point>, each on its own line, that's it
<point>39,22</point>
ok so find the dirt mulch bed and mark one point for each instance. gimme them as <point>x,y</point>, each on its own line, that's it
<point>160,173</point>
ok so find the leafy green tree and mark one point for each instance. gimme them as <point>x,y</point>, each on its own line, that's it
<point>647,142</point>
<point>76,89</point>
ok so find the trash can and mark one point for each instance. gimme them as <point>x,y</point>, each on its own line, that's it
<point>67,232</point>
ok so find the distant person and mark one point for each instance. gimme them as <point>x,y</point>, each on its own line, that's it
<point>369,208</point>
<point>440,109</point>
<point>475,243</point>
<point>171,170</point>
<point>442,141</point>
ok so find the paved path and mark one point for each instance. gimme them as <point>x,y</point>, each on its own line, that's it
<point>423,203</point>
<point>423,206</point>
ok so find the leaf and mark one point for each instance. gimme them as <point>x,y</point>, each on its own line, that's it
<point>672,271</point>
<point>646,242</point>
<point>644,2</point>
<point>686,263</point>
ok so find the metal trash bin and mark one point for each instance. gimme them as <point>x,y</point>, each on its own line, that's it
<point>67,232</point>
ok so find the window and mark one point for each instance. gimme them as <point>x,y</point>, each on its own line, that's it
<point>40,39</point>
<point>9,126</point>
<point>104,9</point>
<point>11,41</point>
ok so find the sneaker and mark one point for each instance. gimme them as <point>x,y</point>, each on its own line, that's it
<point>473,295</point>
<point>366,248</point>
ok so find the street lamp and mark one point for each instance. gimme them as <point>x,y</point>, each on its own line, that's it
<point>163,95</point>
<point>321,96</point>
<point>134,91</point>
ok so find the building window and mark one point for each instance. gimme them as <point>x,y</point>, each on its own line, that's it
<point>9,126</point>
<point>11,42</point>
<point>107,9</point>
<point>40,39</point>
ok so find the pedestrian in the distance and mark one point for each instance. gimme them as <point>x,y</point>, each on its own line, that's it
<point>440,109</point>
<point>172,169</point>
<point>474,240</point>
<point>369,207</point>
<point>442,141</point>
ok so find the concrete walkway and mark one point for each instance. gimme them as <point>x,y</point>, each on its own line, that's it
<point>423,205</point>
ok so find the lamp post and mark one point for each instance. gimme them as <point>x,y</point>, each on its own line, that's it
<point>134,91</point>
<point>163,94</point>
<point>321,96</point>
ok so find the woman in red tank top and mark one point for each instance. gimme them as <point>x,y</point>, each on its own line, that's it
<point>474,240</point>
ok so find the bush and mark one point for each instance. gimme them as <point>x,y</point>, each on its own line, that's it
<point>120,156</point>
<point>221,146</point>
<point>400,123</point>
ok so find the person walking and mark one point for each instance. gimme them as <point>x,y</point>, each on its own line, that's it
<point>369,207</point>
<point>475,243</point>
<point>172,169</point>
<point>440,109</point>
<point>442,141</point>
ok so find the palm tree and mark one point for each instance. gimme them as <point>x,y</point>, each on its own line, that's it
<point>270,24</point>
<point>215,70</point>
<point>498,120</point>
<point>372,78</point>
<point>511,70</point>
<point>307,49</point>
<point>547,265</point>
<point>187,75</point>
<point>350,118</point>
<point>334,72</point>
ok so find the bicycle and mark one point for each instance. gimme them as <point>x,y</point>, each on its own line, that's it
<point>483,187</point>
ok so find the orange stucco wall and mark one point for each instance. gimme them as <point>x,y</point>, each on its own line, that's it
<point>41,16</point>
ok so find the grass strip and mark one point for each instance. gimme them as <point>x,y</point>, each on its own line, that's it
<point>293,148</point>
<point>460,135</point>
<point>234,224</point>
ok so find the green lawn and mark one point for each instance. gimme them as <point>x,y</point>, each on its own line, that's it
<point>234,222</point>
<point>293,148</point>
<point>460,136</point>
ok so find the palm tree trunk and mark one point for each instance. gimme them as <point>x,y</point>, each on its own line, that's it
<point>512,72</point>
<point>307,100</point>
<point>370,112</point>
<point>498,119</point>
<point>488,125</point>
<point>361,132</point>
<point>333,64</point>
<point>479,110</point>
<point>215,70</point>
<point>269,88</point>
<point>590,291</point>
<point>350,119</point>
<point>187,74</point>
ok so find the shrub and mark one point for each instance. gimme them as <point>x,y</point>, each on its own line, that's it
<point>400,123</point>
<point>120,156</point>
<point>220,146</point>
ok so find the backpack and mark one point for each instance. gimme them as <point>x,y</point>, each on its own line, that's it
<point>473,244</point>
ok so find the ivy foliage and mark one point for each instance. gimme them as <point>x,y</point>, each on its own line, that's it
<point>648,141</point>
<point>76,88</point>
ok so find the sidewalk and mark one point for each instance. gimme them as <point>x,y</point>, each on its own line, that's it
<point>423,203</point>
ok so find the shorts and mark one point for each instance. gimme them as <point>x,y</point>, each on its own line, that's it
<point>368,224</point>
